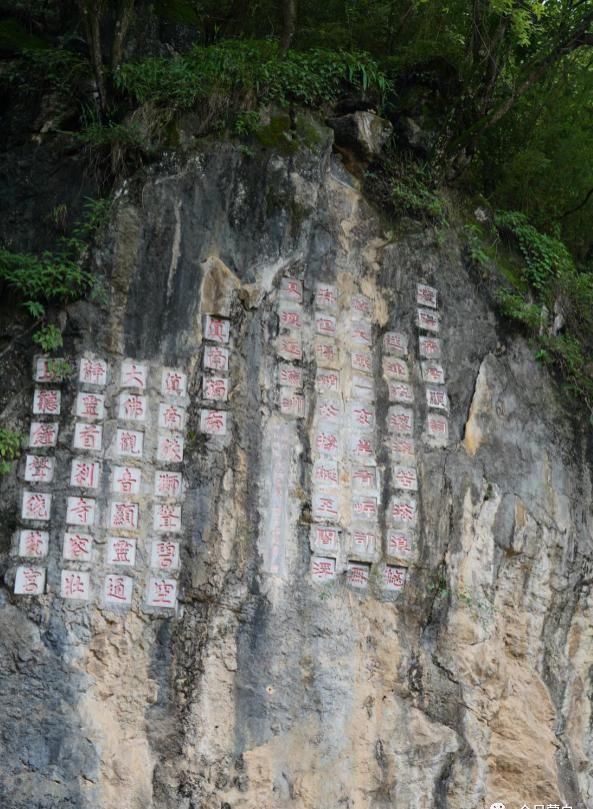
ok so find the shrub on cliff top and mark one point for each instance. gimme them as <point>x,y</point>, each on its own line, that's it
<point>256,71</point>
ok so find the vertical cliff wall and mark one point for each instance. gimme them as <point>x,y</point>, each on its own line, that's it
<point>301,529</point>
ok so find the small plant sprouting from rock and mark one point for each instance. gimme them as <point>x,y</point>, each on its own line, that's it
<point>10,449</point>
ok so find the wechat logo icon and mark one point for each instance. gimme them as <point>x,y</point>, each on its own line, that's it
<point>497,805</point>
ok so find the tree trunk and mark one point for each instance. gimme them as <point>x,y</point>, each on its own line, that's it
<point>289,15</point>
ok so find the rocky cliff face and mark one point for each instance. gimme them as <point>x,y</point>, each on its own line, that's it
<point>362,585</point>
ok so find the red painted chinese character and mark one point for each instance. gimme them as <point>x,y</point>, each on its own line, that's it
<point>215,388</point>
<point>89,435</point>
<point>364,477</point>
<point>166,552</point>
<point>326,441</point>
<point>163,590</point>
<point>173,382</point>
<point>93,372</point>
<point>216,358</point>
<point>78,545</point>
<point>124,515</point>
<point>215,420</point>
<point>39,467</point>
<point>216,329</point>
<point>36,508</point>
<point>126,481</point>
<point>168,484</point>
<point>364,446</point>
<point>84,474</point>
<point>31,575</point>
<point>90,404</point>
<point>81,509</point>
<point>43,435</point>
<point>73,585</point>
<point>121,551</point>
<point>134,375</point>
<point>168,517</point>
<point>133,407</point>
<point>363,416</point>
<point>47,401</point>
<point>171,449</point>
<point>116,588</point>
<point>127,442</point>
<point>288,318</point>
<point>34,545</point>
<point>403,511</point>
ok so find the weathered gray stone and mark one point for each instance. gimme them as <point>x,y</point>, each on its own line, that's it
<point>270,687</point>
<point>363,134</point>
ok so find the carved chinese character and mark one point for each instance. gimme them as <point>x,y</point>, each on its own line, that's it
<point>325,325</point>
<point>167,518</point>
<point>357,574</point>
<point>171,417</point>
<point>216,388</point>
<point>430,347</point>
<point>399,543</point>
<point>123,515</point>
<point>323,569</point>
<point>364,508</point>
<point>363,416</point>
<point>363,448</point>
<point>404,477</point>
<point>162,593</point>
<point>363,387</point>
<point>88,436</point>
<point>77,547</point>
<point>85,474</point>
<point>45,369</point>
<point>326,296</point>
<point>291,403</point>
<point>361,307</point>
<point>400,392</point>
<point>325,473</point>
<point>290,375</point>
<point>324,538</point>
<point>291,289</point>
<point>403,511</point>
<point>126,480</point>
<point>33,544</point>
<point>213,422</point>
<point>80,511</point>
<point>362,361</point>
<point>364,478</point>
<point>329,409</point>
<point>118,589</point>
<point>36,506</point>
<point>363,541</point>
<point>433,373</point>
<point>43,434</point>
<point>361,334</point>
<point>170,448</point>
<point>395,342</point>
<point>216,329</point>
<point>290,347</point>
<point>167,484</point>
<point>39,469</point>
<point>327,381</point>
<point>325,506</point>
<point>401,445</point>
<point>129,442</point>
<point>290,317</point>
<point>216,358</point>
<point>174,382</point>
<point>75,584</point>
<point>394,578</point>
<point>46,401</point>
<point>427,320</point>
<point>133,374</point>
<point>400,420</point>
<point>326,353</point>
<point>326,441</point>
<point>132,407</point>
<point>92,372</point>
<point>437,428</point>
<point>121,551</point>
<point>437,398</point>
<point>164,555</point>
<point>426,296</point>
<point>90,406</point>
<point>395,368</point>
<point>29,581</point>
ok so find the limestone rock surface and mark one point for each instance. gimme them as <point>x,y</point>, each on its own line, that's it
<point>265,689</point>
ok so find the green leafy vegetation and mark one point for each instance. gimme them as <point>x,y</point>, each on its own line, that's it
<point>10,449</point>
